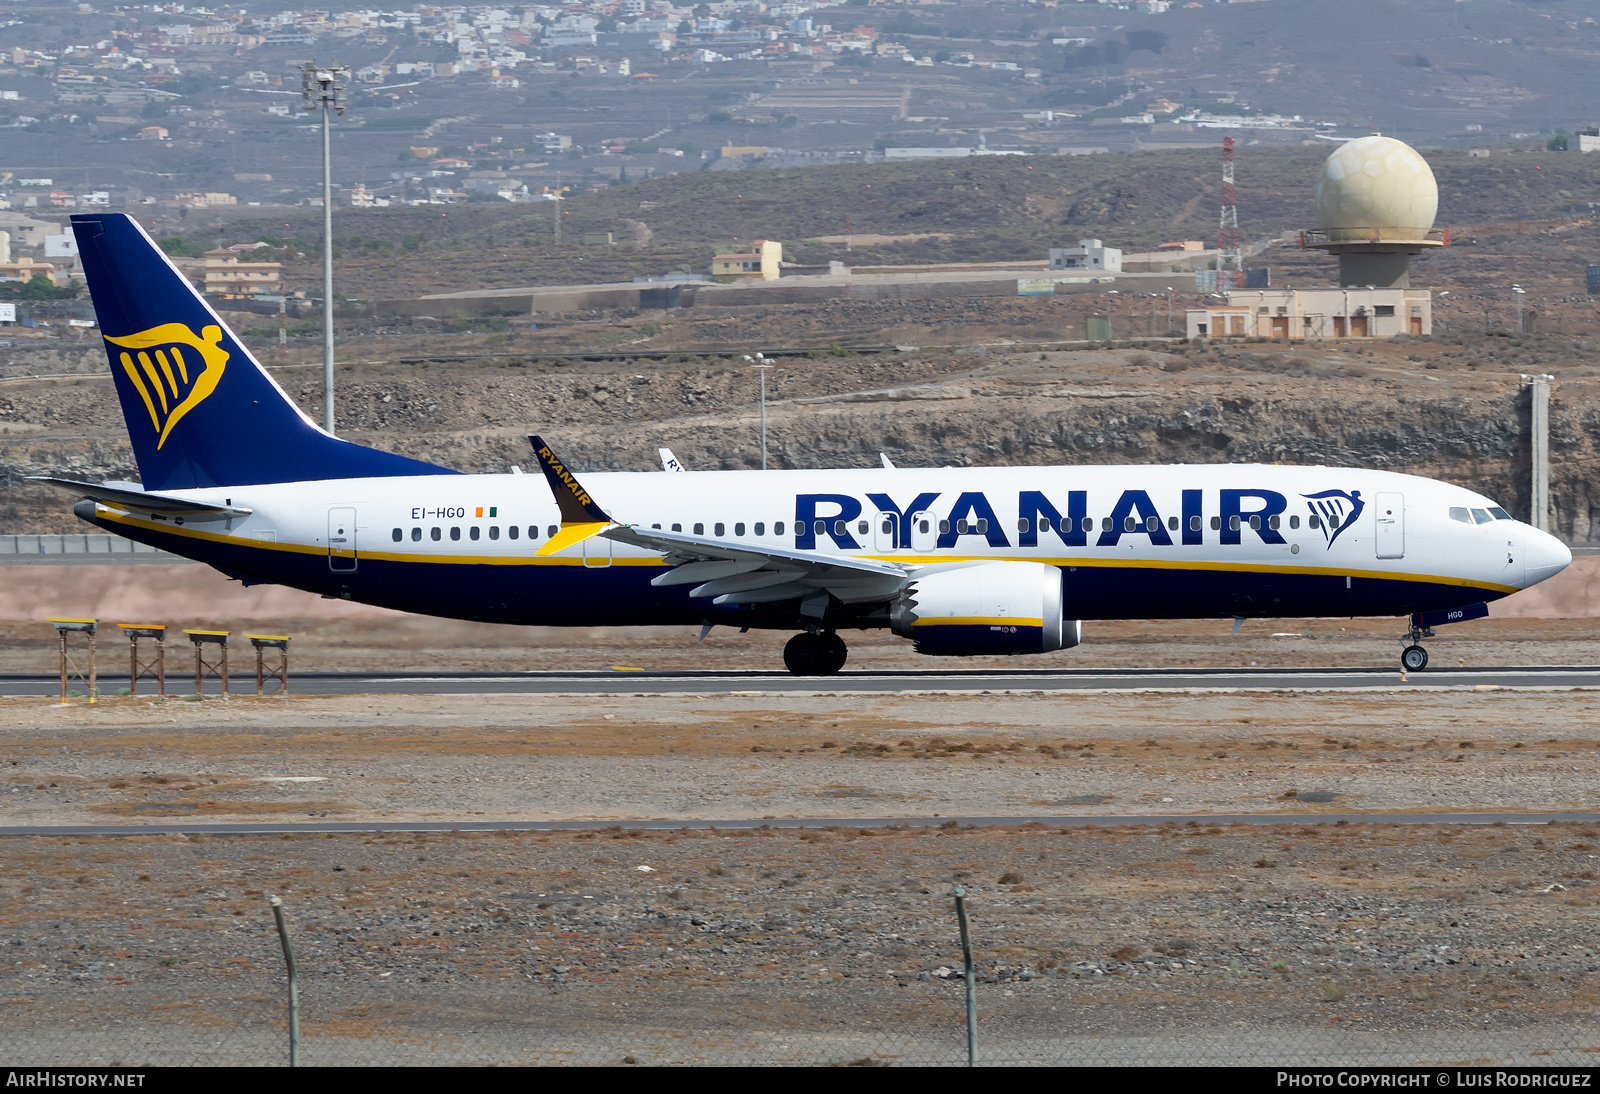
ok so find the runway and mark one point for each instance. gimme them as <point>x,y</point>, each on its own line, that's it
<point>627,681</point>
<point>1097,820</point>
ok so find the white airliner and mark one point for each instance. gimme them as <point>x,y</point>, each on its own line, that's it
<point>998,560</point>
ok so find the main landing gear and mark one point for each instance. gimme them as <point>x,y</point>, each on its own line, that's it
<point>1414,658</point>
<point>815,654</point>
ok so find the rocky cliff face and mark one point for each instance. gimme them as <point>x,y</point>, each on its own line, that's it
<point>1405,411</point>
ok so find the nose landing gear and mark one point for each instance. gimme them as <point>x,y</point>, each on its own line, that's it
<point>810,654</point>
<point>1414,658</point>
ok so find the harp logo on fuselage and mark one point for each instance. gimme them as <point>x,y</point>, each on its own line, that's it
<point>172,369</point>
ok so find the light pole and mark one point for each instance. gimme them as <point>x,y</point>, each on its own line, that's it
<point>323,87</point>
<point>1519,292</point>
<point>761,369</point>
<point>1169,311</point>
<point>1441,307</point>
<point>1111,335</point>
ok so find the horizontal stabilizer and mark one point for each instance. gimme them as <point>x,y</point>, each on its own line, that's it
<point>144,501</point>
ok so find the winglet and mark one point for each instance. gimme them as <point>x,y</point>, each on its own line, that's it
<point>580,516</point>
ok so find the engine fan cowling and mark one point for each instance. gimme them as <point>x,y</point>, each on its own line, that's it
<point>990,608</point>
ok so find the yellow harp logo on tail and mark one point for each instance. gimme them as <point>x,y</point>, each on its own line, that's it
<point>172,370</point>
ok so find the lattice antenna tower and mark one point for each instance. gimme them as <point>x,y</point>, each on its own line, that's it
<point>1230,263</point>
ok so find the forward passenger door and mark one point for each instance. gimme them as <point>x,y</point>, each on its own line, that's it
<point>1390,534</point>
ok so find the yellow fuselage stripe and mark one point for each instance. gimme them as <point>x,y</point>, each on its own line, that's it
<point>117,517</point>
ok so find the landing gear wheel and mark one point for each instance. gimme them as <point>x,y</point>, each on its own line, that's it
<point>815,654</point>
<point>1413,658</point>
<point>834,653</point>
<point>803,655</point>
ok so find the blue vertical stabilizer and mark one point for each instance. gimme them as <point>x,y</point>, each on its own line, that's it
<point>201,411</point>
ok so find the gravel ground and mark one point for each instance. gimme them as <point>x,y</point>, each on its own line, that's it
<point>396,757</point>
<point>1186,943</point>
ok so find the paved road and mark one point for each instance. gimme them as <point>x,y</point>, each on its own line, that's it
<point>316,827</point>
<point>630,682</point>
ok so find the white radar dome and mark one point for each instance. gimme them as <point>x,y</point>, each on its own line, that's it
<point>1376,188</point>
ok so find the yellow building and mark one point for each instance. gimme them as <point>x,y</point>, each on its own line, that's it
<point>228,277</point>
<point>760,263</point>
<point>25,269</point>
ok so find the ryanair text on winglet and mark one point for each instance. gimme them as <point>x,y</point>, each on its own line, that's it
<point>561,473</point>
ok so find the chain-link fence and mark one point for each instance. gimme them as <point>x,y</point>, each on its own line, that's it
<point>1161,1009</point>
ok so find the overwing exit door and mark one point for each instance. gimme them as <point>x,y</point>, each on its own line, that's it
<point>1390,534</point>
<point>885,532</point>
<point>342,540</point>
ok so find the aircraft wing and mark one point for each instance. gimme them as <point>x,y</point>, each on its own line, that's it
<point>727,572</point>
<point>145,502</point>
<point>730,572</point>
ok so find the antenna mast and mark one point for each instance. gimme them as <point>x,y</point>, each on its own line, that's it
<point>1230,263</point>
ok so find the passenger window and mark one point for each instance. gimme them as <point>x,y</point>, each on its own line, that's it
<point>1152,523</point>
<point>494,531</point>
<point>1088,524</point>
<point>552,530</point>
<point>861,527</point>
<point>657,527</point>
<point>923,527</point>
<point>699,529</point>
<point>677,527</point>
<point>1459,512</point>
<point>777,528</point>
<point>455,533</point>
<point>1172,524</point>
<point>416,534</point>
<point>840,528</point>
<point>1294,522</point>
<point>1233,524</point>
<point>1255,521</point>
<point>1022,524</point>
<point>513,531</point>
<point>1314,522</point>
<point>1481,516</point>
<point>1105,524</point>
<point>433,533</point>
<point>983,525</point>
<point>1216,523</point>
<point>718,528</point>
<point>397,535</point>
<point>761,528</point>
<point>819,527</point>
<point>1128,524</point>
<point>533,531</point>
<point>474,532</point>
<point>1274,522</point>
<point>1498,513</point>
<point>944,526</point>
<point>961,527</point>
<point>1194,524</point>
<point>738,529</point>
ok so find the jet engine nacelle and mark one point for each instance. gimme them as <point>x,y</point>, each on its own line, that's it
<point>993,607</point>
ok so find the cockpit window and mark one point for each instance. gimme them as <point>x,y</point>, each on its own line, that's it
<point>1498,513</point>
<point>1481,516</point>
<point>1459,512</point>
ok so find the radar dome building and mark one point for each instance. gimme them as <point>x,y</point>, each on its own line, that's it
<point>1376,200</point>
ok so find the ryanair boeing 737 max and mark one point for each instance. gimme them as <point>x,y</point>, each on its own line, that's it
<point>961,560</point>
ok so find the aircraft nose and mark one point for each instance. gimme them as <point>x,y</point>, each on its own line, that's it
<point>1545,557</point>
